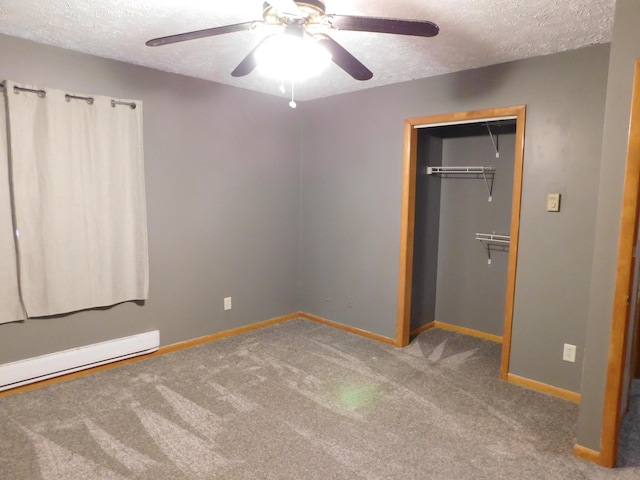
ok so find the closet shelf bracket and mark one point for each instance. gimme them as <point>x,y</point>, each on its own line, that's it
<point>494,142</point>
<point>493,241</point>
<point>487,173</point>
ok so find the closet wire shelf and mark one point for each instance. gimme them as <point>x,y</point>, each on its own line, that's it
<point>493,241</point>
<point>486,172</point>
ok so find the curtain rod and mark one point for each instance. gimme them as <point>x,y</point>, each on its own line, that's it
<point>68,97</point>
<point>40,93</point>
<point>132,105</point>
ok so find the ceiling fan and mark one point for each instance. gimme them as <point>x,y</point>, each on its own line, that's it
<point>307,18</point>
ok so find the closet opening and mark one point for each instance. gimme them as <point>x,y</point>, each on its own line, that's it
<point>462,180</point>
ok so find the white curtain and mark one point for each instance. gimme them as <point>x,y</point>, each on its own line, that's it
<point>10,307</point>
<point>79,202</point>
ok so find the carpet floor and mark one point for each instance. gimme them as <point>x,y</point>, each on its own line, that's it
<point>302,401</point>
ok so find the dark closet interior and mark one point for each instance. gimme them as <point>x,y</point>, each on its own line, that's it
<point>464,190</point>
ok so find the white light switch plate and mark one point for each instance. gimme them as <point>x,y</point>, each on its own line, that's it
<point>553,202</point>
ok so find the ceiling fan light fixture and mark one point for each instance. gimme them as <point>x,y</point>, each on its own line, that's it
<point>291,57</point>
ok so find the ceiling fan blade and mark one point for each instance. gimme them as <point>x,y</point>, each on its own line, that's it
<point>207,32</point>
<point>342,58</point>
<point>383,25</point>
<point>285,6</point>
<point>248,63</point>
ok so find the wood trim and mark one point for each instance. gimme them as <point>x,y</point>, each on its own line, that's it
<point>423,328</point>
<point>78,374</point>
<point>455,328</point>
<point>460,117</point>
<point>586,454</point>
<point>618,340</point>
<point>516,201</point>
<point>408,216</point>
<point>199,341</point>
<point>407,224</point>
<point>226,333</point>
<point>161,351</point>
<point>544,388</point>
<point>469,331</point>
<point>347,328</point>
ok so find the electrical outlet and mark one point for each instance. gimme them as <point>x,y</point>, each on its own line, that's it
<point>569,353</point>
<point>227,303</point>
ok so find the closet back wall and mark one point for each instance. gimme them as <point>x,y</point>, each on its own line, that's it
<point>471,293</point>
<point>222,186</point>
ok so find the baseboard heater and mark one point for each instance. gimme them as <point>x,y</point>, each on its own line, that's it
<point>31,370</point>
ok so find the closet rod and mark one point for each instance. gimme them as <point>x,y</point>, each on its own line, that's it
<point>493,238</point>
<point>486,172</point>
<point>471,170</point>
<point>499,242</point>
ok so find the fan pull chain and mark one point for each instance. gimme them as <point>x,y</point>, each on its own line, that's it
<point>292,103</point>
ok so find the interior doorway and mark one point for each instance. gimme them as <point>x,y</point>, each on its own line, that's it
<point>408,218</point>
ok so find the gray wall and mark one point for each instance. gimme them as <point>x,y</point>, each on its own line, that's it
<point>309,220</point>
<point>222,171</point>
<point>625,49</point>
<point>426,231</point>
<point>351,192</point>
<point>470,292</point>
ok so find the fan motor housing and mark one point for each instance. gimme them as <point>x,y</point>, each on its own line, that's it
<point>309,8</point>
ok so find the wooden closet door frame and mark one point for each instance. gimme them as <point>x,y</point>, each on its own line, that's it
<point>407,224</point>
<point>619,339</point>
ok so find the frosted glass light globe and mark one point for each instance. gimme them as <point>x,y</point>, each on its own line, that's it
<point>291,57</point>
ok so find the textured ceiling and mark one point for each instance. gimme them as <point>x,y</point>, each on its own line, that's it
<point>473,33</point>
